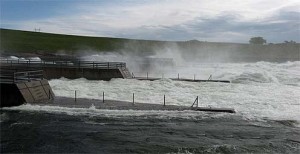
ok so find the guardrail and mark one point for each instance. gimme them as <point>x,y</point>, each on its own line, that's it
<point>68,64</point>
<point>12,76</point>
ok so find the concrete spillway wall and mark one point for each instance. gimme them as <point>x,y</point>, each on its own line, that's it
<point>88,73</point>
<point>71,70</point>
<point>13,94</point>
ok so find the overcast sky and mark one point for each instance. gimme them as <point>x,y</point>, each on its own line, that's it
<point>204,20</point>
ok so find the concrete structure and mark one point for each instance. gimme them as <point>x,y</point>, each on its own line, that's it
<point>181,79</point>
<point>24,89</point>
<point>122,105</point>
<point>72,69</point>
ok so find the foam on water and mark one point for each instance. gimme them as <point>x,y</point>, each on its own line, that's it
<point>92,111</point>
<point>258,90</point>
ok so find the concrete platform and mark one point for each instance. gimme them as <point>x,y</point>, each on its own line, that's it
<point>123,105</point>
<point>176,79</point>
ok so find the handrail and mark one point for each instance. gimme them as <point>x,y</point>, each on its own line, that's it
<point>10,76</point>
<point>210,77</point>
<point>196,101</point>
<point>61,63</point>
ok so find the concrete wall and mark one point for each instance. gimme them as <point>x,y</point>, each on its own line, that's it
<point>13,94</point>
<point>10,95</point>
<point>74,73</point>
<point>88,73</point>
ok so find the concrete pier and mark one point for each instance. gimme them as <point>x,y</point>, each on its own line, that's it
<point>72,69</point>
<point>123,105</point>
<point>24,87</point>
<point>181,79</point>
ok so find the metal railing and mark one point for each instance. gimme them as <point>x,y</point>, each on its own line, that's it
<point>13,76</point>
<point>61,63</point>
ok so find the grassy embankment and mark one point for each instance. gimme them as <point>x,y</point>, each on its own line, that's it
<point>32,42</point>
<point>16,41</point>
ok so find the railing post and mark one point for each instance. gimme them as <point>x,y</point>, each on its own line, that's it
<point>108,65</point>
<point>75,96</point>
<point>103,97</point>
<point>209,77</point>
<point>196,101</point>
<point>132,98</point>
<point>164,100</point>
<point>194,77</point>
<point>178,76</point>
<point>147,75</point>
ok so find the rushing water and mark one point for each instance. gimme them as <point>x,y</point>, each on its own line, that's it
<point>265,95</point>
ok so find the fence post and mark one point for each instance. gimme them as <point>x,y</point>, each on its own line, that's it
<point>93,65</point>
<point>49,94</point>
<point>108,65</point>
<point>75,96</point>
<point>103,97</point>
<point>132,98</point>
<point>178,76</point>
<point>147,75</point>
<point>194,77</point>
<point>197,101</point>
<point>164,100</point>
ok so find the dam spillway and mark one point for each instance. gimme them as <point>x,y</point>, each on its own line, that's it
<point>24,87</point>
<point>71,69</point>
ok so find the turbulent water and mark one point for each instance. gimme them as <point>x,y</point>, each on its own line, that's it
<point>266,97</point>
<point>258,90</point>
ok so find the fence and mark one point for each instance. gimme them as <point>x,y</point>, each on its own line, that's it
<point>12,76</point>
<point>173,76</point>
<point>61,63</point>
<point>195,104</point>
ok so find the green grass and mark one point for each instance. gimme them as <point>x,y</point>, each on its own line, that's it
<point>16,41</point>
<point>25,41</point>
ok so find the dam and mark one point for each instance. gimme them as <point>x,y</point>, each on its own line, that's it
<point>71,69</point>
<point>31,86</point>
<point>92,70</point>
<point>24,87</point>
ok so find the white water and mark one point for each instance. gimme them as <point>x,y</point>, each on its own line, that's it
<point>258,91</point>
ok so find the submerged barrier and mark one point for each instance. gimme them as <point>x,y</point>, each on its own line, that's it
<point>116,104</point>
<point>147,77</point>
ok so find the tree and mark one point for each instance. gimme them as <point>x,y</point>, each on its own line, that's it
<point>257,40</point>
<point>290,42</point>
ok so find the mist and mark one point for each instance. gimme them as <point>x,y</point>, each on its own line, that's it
<point>170,60</point>
<point>186,59</point>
